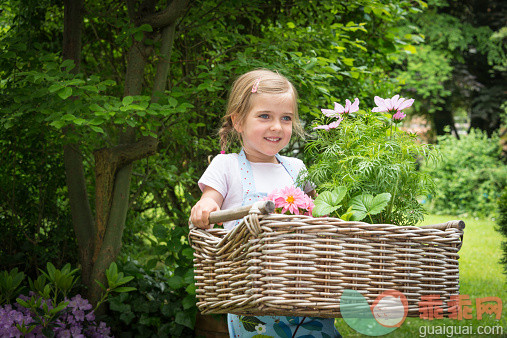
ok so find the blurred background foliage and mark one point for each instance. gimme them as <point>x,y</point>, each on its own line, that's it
<point>448,55</point>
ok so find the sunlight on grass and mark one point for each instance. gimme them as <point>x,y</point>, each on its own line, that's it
<point>480,276</point>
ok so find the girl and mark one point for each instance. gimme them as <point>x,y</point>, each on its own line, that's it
<point>261,114</point>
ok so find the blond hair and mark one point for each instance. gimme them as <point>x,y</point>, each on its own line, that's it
<point>240,101</point>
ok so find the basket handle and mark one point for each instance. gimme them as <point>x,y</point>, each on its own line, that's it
<point>460,225</point>
<point>259,207</point>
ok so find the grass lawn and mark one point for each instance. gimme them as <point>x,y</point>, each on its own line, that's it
<point>480,276</point>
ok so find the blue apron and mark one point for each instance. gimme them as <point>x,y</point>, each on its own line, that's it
<point>273,326</point>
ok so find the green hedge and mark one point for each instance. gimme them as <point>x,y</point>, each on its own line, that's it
<point>470,176</point>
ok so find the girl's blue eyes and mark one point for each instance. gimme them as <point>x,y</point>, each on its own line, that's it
<point>266,116</point>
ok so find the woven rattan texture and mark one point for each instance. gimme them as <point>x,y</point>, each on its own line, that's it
<point>300,266</point>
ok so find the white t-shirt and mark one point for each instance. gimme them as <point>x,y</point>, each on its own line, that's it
<point>223,175</point>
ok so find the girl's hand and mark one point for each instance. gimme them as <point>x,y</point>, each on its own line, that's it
<point>210,201</point>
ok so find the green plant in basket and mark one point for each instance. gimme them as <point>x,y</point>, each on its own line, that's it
<point>358,208</point>
<point>363,159</point>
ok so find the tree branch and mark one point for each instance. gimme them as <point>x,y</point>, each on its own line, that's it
<point>166,17</point>
<point>167,41</point>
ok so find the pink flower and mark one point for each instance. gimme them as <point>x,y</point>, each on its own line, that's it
<point>332,125</point>
<point>399,116</point>
<point>293,200</point>
<point>339,109</point>
<point>393,104</point>
<point>309,205</point>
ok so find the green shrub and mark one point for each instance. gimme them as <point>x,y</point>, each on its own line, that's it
<point>162,306</point>
<point>470,176</point>
<point>501,221</point>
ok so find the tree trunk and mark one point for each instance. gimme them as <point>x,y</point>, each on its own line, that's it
<point>113,167</point>
<point>441,120</point>
<point>99,240</point>
<point>82,218</point>
<point>113,170</point>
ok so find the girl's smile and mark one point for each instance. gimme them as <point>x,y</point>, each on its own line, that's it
<point>267,128</point>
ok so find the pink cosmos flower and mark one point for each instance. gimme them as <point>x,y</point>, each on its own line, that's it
<point>332,125</point>
<point>399,115</point>
<point>393,104</point>
<point>339,109</point>
<point>293,200</point>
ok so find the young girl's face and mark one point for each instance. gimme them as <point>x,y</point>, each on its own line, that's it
<point>267,128</point>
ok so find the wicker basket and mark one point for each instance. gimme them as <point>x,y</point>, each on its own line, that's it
<point>300,266</point>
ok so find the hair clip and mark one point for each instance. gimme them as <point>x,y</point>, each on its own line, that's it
<point>256,85</point>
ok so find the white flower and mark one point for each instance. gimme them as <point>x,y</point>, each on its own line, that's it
<point>260,328</point>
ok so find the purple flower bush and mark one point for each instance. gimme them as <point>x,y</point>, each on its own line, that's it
<point>9,317</point>
<point>75,320</point>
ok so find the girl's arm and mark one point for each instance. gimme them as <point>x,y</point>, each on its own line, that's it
<point>211,200</point>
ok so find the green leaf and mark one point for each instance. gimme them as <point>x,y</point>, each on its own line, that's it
<point>361,202</point>
<point>368,205</point>
<point>51,270</point>
<point>59,308</point>
<point>176,282</point>
<point>358,215</point>
<point>410,49</point>
<point>69,64</point>
<point>124,280</point>
<point>90,88</point>
<point>138,36</point>
<point>64,93</point>
<point>124,289</point>
<point>184,319</point>
<point>347,216</point>
<point>348,61</point>
<point>329,201</point>
<point>379,203</point>
<point>191,289</point>
<point>189,276</point>
<point>22,302</point>
<point>188,301</point>
<point>127,100</point>
<point>96,108</point>
<point>127,317</point>
<point>188,252</point>
<point>112,273</point>
<point>145,28</point>
<point>79,121</point>
<point>160,231</point>
<point>58,124</point>
<point>55,87</point>
<point>172,102</point>
<point>97,129</point>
